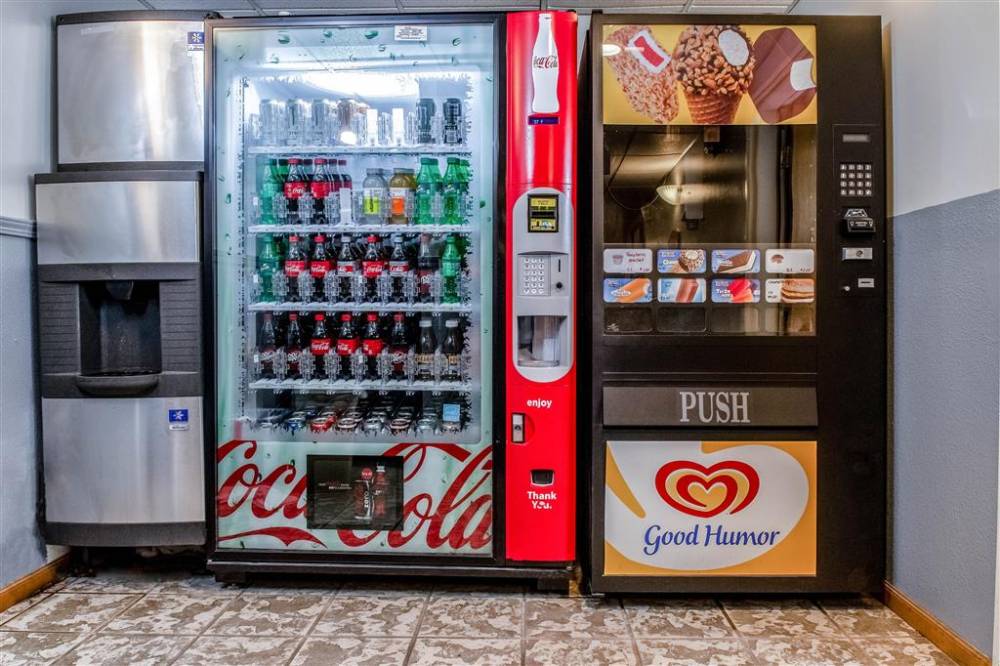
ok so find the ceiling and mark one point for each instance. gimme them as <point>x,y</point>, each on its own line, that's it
<point>299,7</point>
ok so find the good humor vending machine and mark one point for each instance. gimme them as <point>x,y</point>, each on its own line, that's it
<point>738,309</point>
<point>390,237</point>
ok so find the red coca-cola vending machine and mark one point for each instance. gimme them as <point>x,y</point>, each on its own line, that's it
<point>391,271</point>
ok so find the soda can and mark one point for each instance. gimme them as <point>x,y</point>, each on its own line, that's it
<point>347,424</point>
<point>399,425</point>
<point>295,422</point>
<point>272,122</point>
<point>325,122</point>
<point>453,123</point>
<point>298,112</point>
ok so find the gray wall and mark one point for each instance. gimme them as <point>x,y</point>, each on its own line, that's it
<point>22,548</point>
<point>947,351</point>
<point>944,200</point>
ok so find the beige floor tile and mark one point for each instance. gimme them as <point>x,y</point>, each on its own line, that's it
<point>579,652</point>
<point>574,618</point>
<point>20,607</point>
<point>17,649</point>
<point>677,618</point>
<point>903,652</point>
<point>472,617</point>
<point>369,615</point>
<point>387,586</point>
<point>478,589</point>
<point>198,585</point>
<point>71,612</point>
<point>269,615</point>
<point>238,651</point>
<point>465,652</point>
<point>864,616</point>
<point>779,617</point>
<point>106,650</point>
<point>693,652</point>
<point>352,651</point>
<point>807,652</point>
<point>168,614</point>
<point>114,583</point>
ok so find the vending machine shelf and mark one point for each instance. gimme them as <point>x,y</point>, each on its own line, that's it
<point>266,306</point>
<point>361,229</point>
<point>420,150</point>
<point>325,386</point>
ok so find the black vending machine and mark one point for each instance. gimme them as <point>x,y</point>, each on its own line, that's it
<point>738,303</point>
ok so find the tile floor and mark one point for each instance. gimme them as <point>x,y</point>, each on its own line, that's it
<point>144,619</point>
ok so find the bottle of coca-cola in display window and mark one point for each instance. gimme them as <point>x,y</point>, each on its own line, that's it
<point>372,345</point>
<point>399,269</point>
<point>348,266</point>
<point>399,346</point>
<point>427,268</point>
<point>347,344</point>
<point>266,347</point>
<point>296,184</point>
<point>320,344</point>
<point>295,265</point>
<point>346,194</point>
<point>293,347</point>
<point>319,266</point>
<point>321,186</point>
<point>373,266</point>
<point>380,492</point>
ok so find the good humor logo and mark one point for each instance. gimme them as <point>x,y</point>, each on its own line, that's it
<point>727,487</point>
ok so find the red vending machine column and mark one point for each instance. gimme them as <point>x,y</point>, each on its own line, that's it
<point>541,287</point>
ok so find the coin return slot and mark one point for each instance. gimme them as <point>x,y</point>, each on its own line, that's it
<point>542,477</point>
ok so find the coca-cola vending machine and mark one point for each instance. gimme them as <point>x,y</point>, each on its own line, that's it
<point>391,277</point>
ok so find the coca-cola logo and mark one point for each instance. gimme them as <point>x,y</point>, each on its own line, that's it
<point>293,268</point>
<point>346,346</point>
<point>319,346</point>
<point>545,62</point>
<point>371,347</point>
<point>319,268</point>
<point>372,269</point>
<point>273,502</point>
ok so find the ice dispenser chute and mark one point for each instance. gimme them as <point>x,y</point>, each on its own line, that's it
<point>543,284</point>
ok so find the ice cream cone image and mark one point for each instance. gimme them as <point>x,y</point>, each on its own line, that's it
<point>712,109</point>
<point>714,65</point>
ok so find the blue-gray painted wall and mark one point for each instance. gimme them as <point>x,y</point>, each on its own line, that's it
<point>22,549</point>
<point>946,357</point>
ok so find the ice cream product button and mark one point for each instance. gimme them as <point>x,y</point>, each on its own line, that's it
<point>856,254</point>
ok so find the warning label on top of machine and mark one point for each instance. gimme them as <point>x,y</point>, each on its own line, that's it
<point>692,508</point>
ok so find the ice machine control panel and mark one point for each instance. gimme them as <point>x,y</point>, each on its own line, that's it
<point>542,226</point>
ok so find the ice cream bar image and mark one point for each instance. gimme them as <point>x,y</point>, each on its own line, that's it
<point>782,85</point>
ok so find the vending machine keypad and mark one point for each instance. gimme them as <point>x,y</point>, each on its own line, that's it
<point>855,179</point>
<point>534,275</point>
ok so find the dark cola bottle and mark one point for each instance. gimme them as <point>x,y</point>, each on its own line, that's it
<point>296,184</point>
<point>399,346</point>
<point>347,344</point>
<point>347,267</point>
<point>295,265</point>
<point>373,265</point>
<point>320,186</point>
<point>293,347</point>
<point>267,345</point>
<point>371,345</point>
<point>319,345</point>
<point>399,267</point>
<point>319,266</point>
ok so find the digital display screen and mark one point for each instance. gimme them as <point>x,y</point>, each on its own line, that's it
<point>543,213</point>
<point>856,138</point>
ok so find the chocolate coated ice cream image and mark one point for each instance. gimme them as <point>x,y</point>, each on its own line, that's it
<point>715,67</point>
<point>783,85</point>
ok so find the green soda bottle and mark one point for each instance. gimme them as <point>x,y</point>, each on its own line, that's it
<point>268,189</point>
<point>267,266</point>
<point>451,268</point>
<point>451,193</point>
<point>423,204</point>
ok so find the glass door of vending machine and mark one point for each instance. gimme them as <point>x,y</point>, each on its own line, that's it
<point>737,302</point>
<point>352,218</point>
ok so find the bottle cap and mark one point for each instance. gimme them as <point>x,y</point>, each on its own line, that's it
<point>293,160</point>
<point>372,238</point>
<point>320,238</point>
<point>345,317</point>
<point>319,160</point>
<point>319,316</point>
<point>372,316</point>
<point>293,317</point>
<point>399,316</point>
<point>451,323</point>
<point>425,323</point>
